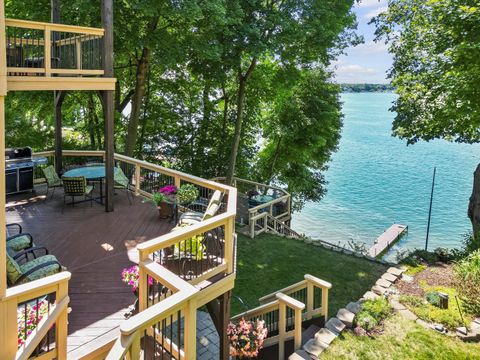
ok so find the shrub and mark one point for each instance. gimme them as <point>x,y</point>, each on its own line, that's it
<point>433,298</point>
<point>411,301</point>
<point>187,193</point>
<point>372,314</point>
<point>416,257</point>
<point>467,272</point>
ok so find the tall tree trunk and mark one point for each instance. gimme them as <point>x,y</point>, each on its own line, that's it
<point>241,94</point>
<point>137,101</point>
<point>91,121</point>
<point>137,98</point>
<point>201,142</point>
<point>474,204</point>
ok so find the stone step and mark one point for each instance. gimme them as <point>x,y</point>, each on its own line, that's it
<point>389,277</point>
<point>309,333</point>
<point>314,347</point>
<point>300,355</point>
<point>370,295</point>
<point>325,336</point>
<point>335,325</point>
<point>395,271</point>
<point>346,317</point>
<point>354,307</point>
<point>383,283</point>
<point>379,290</point>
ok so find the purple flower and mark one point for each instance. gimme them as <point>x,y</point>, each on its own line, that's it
<point>168,190</point>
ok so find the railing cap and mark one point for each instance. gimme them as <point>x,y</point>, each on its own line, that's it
<point>318,282</point>
<point>291,302</point>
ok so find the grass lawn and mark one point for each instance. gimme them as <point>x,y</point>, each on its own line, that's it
<point>270,262</point>
<point>402,339</point>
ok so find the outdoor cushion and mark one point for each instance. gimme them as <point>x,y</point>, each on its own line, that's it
<point>19,243</point>
<point>211,210</point>
<point>51,176</point>
<point>88,189</point>
<point>13,270</point>
<point>121,181</point>
<point>42,272</point>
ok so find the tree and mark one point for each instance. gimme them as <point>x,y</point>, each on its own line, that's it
<point>436,71</point>
<point>296,157</point>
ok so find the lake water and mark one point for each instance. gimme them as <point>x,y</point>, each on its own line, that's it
<point>375,180</point>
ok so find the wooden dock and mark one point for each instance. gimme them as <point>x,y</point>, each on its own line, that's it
<point>387,239</point>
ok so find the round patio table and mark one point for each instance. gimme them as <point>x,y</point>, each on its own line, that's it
<point>91,173</point>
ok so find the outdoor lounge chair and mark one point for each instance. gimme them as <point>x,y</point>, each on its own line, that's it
<point>35,269</point>
<point>121,181</point>
<point>74,187</point>
<point>194,216</point>
<point>19,241</point>
<point>53,181</point>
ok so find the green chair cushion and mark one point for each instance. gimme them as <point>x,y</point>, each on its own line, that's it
<point>51,176</point>
<point>88,189</point>
<point>40,273</point>
<point>14,270</point>
<point>19,243</point>
<point>121,181</point>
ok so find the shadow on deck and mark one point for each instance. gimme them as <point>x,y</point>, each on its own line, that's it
<point>94,246</point>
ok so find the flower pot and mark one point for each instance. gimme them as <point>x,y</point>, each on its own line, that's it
<point>165,210</point>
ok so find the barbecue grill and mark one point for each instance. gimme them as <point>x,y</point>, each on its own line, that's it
<point>19,169</point>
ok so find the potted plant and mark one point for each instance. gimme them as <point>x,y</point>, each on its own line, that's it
<point>130,277</point>
<point>246,338</point>
<point>158,199</point>
<point>187,193</point>
<point>166,206</point>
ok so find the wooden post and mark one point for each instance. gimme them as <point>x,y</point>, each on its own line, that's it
<point>61,332</point>
<point>298,329</point>
<point>142,282</point>
<point>3,93</point>
<point>223,320</point>
<point>58,97</point>
<point>190,331</point>
<point>137,179</point>
<point>229,239</point>
<point>325,303</point>
<point>282,322</point>
<point>108,101</point>
<point>310,296</point>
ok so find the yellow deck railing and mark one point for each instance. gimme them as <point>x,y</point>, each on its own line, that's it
<point>167,320</point>
<point>47,49</point>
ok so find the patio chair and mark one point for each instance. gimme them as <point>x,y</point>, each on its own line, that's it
<point>209,210</point>
<point>35,269</point>
<point>20,240</point>
<point>53,181</point>
<point>122,182</point>
<point>74,187</point>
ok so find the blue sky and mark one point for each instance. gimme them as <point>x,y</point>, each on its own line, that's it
<point>368,62</point>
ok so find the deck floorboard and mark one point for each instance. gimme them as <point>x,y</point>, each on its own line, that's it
<point>94,246</point>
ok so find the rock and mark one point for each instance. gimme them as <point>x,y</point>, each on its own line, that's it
<point>370,295</point>
<point>389,277</point>
<point>397,305</point>
<point>325,336</point>
<point>407,314</point>
<point>407,278</point>
<point>462,330</point>
<point>314,347</point>
<point>354,307</point>
<point>379,290</point>
<point>439,327</point>
<point>335,325</point>
<point>395,271</point>
<point>300,355</point>
<point>383,283</point>
<point>475,326</point>
<point>346,317</point>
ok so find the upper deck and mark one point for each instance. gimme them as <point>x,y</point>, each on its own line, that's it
<point>47,56</point>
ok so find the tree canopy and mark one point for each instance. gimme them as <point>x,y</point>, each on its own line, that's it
<point>207,86</point>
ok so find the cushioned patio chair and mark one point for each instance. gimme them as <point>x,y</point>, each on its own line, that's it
<point>122,182</point>
<point>20,240</point>
<point>194,216</point>
<point>74,187</point>
<point>35,269</point>
<point>53,181</point>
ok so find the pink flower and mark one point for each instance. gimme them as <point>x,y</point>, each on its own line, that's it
<point>246,337</point>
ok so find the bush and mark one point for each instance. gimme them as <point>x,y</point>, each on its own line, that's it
<point>467,272</point>
<point>372,314</point>
<point>416,257</point>
<point>433,298</point>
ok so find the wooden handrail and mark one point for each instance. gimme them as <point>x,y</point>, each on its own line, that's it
<point>37,288</point>
<point>37,25</point>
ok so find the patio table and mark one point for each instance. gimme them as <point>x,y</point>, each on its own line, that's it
<point>91,173</point>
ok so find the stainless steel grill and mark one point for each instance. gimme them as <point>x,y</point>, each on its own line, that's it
<point>19,170</point>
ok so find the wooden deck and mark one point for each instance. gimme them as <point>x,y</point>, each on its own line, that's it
<point>387,239</point>
<point>94,246</point>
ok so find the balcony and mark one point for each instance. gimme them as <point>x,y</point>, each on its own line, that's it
<point>46,56</point>
<point>95,246</point>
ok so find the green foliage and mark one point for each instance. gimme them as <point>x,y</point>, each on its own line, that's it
<point>366,321</point>
<point>433,298</point>
<point>436,52</point>
<point>290,154</point>
<point>357,88</point>
<point>417,257</point>
<point>425,310</point>
<point>373,313</point>
<point>467,273</point>
<point>187,193</point>
<point>158,198</point>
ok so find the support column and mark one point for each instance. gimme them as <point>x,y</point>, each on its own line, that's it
<point>223,321</point>
<point>58,96</point>
<point>108,102</point>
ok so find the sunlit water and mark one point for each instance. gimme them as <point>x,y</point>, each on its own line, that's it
<point>376,180</point>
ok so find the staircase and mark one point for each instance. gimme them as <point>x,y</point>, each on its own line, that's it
<point>292,316</point>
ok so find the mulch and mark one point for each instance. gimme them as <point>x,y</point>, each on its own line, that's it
<point>436,275</point>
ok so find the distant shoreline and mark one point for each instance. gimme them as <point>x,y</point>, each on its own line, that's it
<point>363,88</point>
